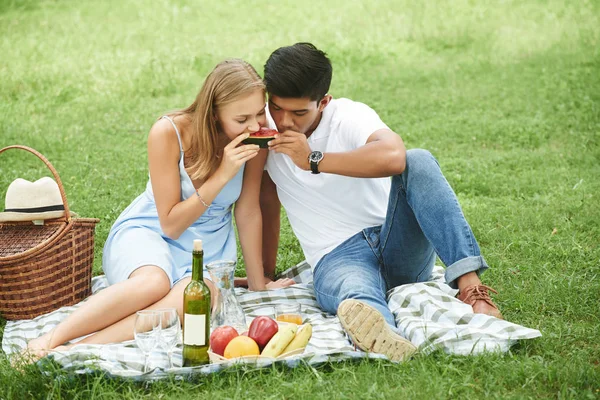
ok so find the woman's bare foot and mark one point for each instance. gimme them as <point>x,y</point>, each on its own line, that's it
<point>30,356</point>
<point>37,348</point>
<point>62,349</point>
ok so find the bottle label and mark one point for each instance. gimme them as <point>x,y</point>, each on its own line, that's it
<point>194,330</point>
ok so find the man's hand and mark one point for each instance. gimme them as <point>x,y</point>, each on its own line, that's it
<point>280,283</point>
<point>269,283</point>
<point>294,145</point>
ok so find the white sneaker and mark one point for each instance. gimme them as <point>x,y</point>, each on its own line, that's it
<point>370,332</point>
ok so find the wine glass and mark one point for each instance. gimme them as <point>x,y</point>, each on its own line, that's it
<point>146,331</point>
<point>170,327</point>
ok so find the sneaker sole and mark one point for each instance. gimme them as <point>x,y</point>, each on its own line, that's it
<point>370,332</point>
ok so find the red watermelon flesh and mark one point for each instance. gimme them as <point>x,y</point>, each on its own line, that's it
<point>264,132</point>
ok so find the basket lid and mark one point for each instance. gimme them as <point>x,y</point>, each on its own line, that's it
<point>18,237</point>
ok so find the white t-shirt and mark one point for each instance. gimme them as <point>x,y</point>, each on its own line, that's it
<point>326,209</point>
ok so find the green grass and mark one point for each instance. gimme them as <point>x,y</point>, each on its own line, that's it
<point>505,94</point>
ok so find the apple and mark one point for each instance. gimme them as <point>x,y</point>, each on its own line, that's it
<point>220,338</point>
<point>262,329</point>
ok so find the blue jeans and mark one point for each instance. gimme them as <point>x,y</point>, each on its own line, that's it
<point>423,220</point>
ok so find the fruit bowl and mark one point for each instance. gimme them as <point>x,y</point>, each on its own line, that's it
<point>275,340</point>
<point>217,359</point>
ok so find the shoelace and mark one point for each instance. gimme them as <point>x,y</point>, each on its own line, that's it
<point>479,292</point>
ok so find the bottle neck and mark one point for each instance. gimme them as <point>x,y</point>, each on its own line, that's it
<point>197,265</point>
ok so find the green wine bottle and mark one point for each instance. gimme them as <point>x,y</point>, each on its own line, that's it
<point>196,313</point>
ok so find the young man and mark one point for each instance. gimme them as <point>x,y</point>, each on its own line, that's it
<point>362,232</point>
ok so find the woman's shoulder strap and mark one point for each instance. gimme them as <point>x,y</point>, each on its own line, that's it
<point>176,131</point>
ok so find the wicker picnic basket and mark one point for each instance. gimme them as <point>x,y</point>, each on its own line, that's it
<point>45,267</point>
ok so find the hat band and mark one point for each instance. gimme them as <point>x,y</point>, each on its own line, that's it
<point>59,207</point>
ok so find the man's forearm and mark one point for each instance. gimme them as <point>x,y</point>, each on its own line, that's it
<point>373,160</point>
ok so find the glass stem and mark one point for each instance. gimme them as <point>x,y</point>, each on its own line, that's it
<point>146,356</point>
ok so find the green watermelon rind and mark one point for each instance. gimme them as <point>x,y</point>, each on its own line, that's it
<point>261,141</point>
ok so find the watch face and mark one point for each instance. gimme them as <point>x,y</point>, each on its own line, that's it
<point>316,156</point>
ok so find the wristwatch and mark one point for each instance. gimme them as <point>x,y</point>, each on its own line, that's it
<point>314,158</point>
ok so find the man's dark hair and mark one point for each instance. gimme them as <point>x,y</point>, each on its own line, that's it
<point>300,70</point>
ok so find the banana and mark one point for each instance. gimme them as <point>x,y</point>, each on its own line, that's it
<point>280,341</point>
<point>301,339</point>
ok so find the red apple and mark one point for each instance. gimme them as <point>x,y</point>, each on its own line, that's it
<point>262,329</point>
<point>220,338</point>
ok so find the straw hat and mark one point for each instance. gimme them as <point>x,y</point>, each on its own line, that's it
<point>28,201</point>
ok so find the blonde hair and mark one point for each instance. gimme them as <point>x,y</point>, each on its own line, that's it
<point>228,81</point>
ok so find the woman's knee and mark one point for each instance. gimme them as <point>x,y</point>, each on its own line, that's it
<point>154,282</point>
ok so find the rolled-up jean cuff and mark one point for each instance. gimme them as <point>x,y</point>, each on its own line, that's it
<point>464,266</point>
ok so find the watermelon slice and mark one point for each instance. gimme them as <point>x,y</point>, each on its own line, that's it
<point>261,137</point>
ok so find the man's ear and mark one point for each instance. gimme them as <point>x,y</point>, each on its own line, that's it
<point>324,101</point>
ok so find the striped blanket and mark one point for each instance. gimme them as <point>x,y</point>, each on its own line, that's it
<point>427,314</point>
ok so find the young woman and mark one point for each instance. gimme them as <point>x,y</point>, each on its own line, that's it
<point>198,170</point>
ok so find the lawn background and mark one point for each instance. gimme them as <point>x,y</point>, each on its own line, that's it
<point>506,94</point>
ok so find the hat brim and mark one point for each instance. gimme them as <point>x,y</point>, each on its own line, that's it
<point>20,216</point>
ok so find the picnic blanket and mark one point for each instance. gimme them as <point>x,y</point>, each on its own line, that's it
<point>427,314</point>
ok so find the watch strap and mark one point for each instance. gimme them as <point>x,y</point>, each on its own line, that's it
<point>314,167</point>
